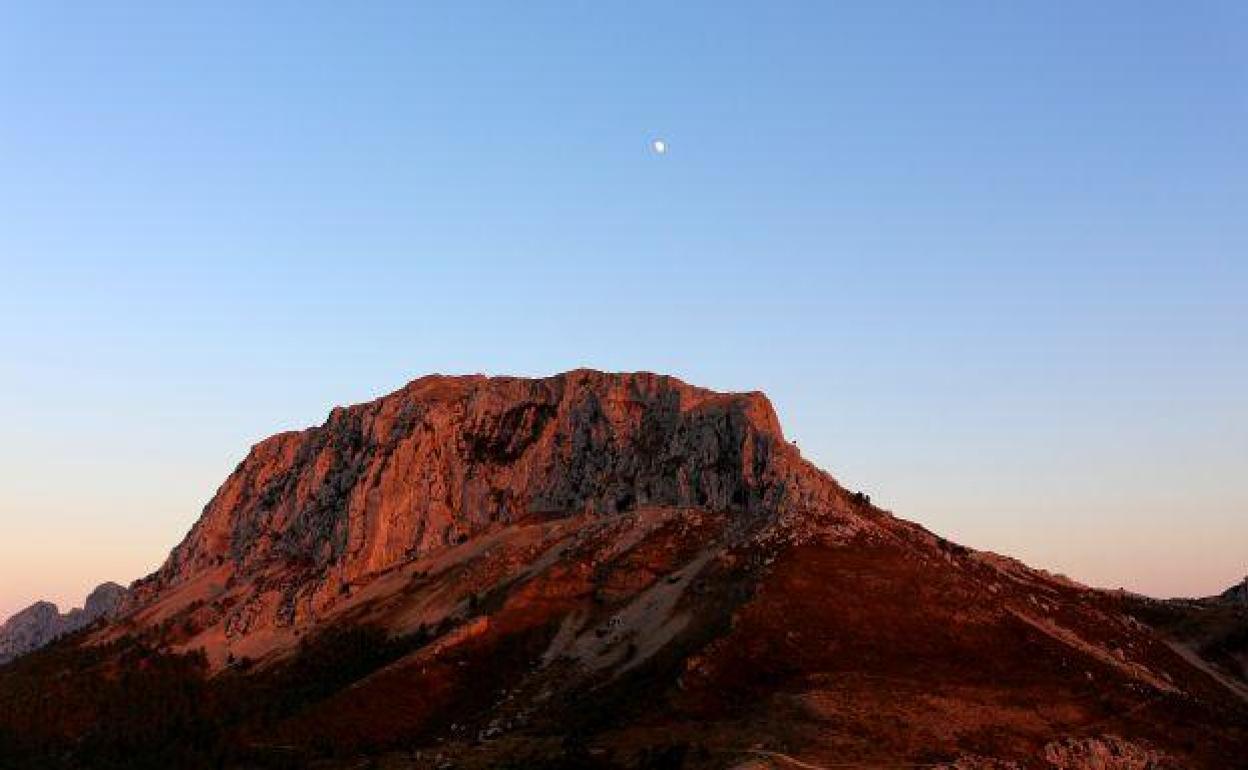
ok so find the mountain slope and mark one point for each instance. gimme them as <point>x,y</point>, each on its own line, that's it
<point>599,570</point>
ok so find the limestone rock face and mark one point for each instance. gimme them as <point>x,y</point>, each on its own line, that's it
<point>42,622</point>
<point>446,458</point>
<point>29,629</point>
<point>102,602</point>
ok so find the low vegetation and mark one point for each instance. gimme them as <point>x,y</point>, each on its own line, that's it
<point>129,706</point>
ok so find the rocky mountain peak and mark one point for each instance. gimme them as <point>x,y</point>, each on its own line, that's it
<point>447,457</point>
<point>104,600</point>
<point>42,622</point>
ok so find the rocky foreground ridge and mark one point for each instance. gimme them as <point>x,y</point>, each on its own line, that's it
<point>605,570</point>
<point>42,622</point>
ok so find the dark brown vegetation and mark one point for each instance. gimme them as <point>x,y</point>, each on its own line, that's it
<point>125,705</point>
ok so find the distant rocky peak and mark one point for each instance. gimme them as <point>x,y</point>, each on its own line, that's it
<point>43,622</point>
<point>104,600</point>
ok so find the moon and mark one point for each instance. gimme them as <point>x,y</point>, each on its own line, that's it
<point>659,146</point>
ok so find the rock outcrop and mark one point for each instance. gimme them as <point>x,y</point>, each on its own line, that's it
<point>42,622</point>
<point>447,458</point>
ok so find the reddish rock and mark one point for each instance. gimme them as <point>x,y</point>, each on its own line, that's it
<point>447,458</point>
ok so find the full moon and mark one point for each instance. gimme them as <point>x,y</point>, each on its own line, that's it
<point>659,146</point>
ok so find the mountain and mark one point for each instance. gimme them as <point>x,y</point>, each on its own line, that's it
<point>1237,593</point>
<point>309,516</point>
<point>43,622</point>
<point>600,570</point>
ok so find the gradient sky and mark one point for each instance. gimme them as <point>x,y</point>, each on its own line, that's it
<point>989,260</point>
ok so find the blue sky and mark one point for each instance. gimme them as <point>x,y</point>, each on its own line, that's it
<point>989,260</point>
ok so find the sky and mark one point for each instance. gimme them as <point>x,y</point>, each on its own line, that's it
<point>989,260</point>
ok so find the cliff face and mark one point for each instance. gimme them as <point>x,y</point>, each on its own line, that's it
<point>42,622</point>
<point>447,458</point>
